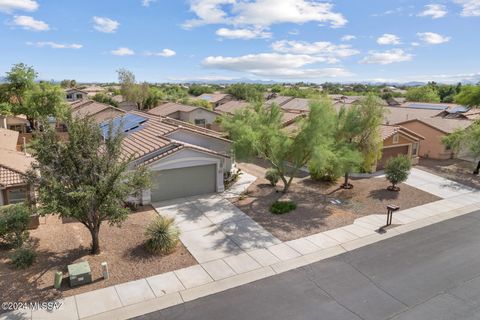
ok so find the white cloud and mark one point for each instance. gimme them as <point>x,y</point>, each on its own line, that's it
<point>470,8</point>
<point>274,65</point>
<point>387,57</point>
<point>9,6</point>
<point>146,3</point>
<point>435,11</point>
<point>163,53</point>
<point>106,25</point>
<point>55,45</point>
<point>388,38</point>
<point>29,23</point>
<point>348,37</point>
<point>323,50</point>
<point>263,12</point>
<point>123,52</point>
<point>415,44</point>
<point>245,34</point>
<point>432,38</point>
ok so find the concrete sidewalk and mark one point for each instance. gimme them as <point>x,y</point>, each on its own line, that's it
<point>219,240</point>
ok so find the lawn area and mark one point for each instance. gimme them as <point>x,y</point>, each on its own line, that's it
<point>60,244</point>
<point>315,211</point>
<point>453,169</point>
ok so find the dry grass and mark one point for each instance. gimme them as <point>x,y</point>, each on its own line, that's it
<point>60,244</point>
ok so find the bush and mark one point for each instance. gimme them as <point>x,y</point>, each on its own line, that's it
<point>327,173</point>
<point>397,170</point>
<point>281,207</point>
<point>162,235</point>
<point>14,220</point>
<point>23,257</point>
<point>272,176</point>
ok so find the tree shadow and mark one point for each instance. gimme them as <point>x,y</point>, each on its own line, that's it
<point>384,194</point>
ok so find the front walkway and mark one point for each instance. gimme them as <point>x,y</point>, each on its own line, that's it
<point>233,250</point>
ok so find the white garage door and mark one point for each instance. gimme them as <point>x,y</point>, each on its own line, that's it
<point>183,182</point>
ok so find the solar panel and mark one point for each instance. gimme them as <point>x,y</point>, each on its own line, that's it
<point>426,106</point>
<point>125,124</point>
<point>459,109</point>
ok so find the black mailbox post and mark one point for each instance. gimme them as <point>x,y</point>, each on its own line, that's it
<point>391,208</point>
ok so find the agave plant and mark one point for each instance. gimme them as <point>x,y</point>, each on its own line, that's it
<point>162,235</point>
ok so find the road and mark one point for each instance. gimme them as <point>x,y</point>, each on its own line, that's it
<point>430,273</point>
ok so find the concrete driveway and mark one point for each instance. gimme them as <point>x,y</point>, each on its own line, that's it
<point>213,228</point>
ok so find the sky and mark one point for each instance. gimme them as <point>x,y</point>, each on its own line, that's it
<point>217,40</point>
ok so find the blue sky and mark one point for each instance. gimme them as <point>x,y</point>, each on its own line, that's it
<point>282,40</point>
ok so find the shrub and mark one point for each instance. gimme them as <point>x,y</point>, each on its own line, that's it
<point>272,176</point>
<point>14,220</point>
<point>397,170</point>
<point>162,235</point>
<point>326,173</point>
<point>281,207</point>
<point>23,257</point>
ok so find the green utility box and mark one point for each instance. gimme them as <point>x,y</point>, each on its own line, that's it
<point>79,273</point>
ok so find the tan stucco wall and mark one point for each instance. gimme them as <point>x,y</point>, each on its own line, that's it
<point>432,146</point>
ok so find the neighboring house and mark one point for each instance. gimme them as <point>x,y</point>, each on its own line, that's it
<point>73,94</point>
<point>434,130</point>
<point>215,99</point>
<point>99,112</point>
<point>124,104</point>
<point>278,100</point>
<point>196,115</point>
<point>231,107</point>
<point>396,101</point>
<point>93,90</point>
<point>13,168</point>
<point>398,140</point>
<point>183,161</point>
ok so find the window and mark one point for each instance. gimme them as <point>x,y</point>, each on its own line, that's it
<point>79,96</point>
<point>16,127</point>
<point>200,122</point>
<point>16,195</point>
<point>396,138</point>
<point>69,96</point>
<point>415,149</point>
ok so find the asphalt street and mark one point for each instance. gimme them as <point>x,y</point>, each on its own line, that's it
<point>430,273</point>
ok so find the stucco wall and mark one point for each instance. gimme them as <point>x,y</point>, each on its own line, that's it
<point>432,146</point>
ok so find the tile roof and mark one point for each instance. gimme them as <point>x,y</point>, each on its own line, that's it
<point>213,97</point>
<point>13,166</point>
<point>297,104</point>
<point>171,107</point>
<point>386,131</point>
<point>9,177</point>
<point>232,106</point>
<point>394,115</point>
<point>444,124</point>
<point>91,108</point>
<point>279,100</point>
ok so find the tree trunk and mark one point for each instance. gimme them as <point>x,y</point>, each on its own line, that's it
<point>476,171</point>
<point>346,183</point>
<point>95,241</point>
<point>286,184</point>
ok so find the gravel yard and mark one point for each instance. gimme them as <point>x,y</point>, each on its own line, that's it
<point>60,244</point>
<point>316,211</point>
<point>453,169</point>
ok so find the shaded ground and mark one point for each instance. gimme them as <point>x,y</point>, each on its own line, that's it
<point>453,169</point>
<point>316,211</point>
<point>60,244</point>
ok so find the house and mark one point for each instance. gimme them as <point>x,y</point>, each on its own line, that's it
<point>99,112</point>
<point>398,140</point>
<point>231,107</point>
<point>215,99</point>
<point>93,90</point>
<point>196,115</point>
<point>434,129</point>
<point>14,165</point>
<point>124,104</point>
<point>73,94</point>
<point>183,161</point>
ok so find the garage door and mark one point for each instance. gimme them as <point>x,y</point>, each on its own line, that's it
<point>390,153</point>
<point>183,182</point>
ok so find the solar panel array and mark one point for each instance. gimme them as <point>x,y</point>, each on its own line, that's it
<point>426,106</point>
<point>124,124</point>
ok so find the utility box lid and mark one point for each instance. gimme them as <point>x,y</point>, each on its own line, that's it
<point>78,268</point>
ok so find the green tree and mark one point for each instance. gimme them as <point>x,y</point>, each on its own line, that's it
<point>469,96</point>
<point>423,94</point>
<point>258,131</point>
<point>248,92</point>
<point>68,83</point>
<point>131,90</point>
<point>22,95</point>
<point>468,139</point>
<point>85,178</point>
<point>397,170</point>
<point>197,89</point>
<point>104,98</point>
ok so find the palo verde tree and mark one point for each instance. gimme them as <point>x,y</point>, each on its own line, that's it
<point>466,139</point>
<point>37,101</point>
<point>85,178</point>
<point>258,131</point>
